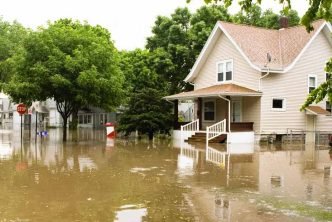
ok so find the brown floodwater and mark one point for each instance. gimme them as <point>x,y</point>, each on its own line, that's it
<point>92,178</point>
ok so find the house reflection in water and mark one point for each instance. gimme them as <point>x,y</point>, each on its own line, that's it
<point>214,173</point>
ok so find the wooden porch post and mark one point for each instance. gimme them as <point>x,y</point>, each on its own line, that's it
<point>228,118</point>
<point>175,117</point>
<point>199,113</point>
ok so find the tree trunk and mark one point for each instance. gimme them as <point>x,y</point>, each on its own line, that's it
<point>74,120</point>
<point>151,135</point>
<point>73,125</point>
<point>64,131</point>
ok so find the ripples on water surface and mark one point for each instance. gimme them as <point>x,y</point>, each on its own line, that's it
<point>97,179</point>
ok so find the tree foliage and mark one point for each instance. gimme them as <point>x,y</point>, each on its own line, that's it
<point>145,111</point>
<point>177,40</point>
<point>267,19</point>
<point>11,38</point>
<point>75,64</point>
<point>316,7</point>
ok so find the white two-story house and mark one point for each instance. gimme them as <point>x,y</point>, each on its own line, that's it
<point>256,80</point>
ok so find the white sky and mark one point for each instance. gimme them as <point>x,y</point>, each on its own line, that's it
<point>129,21</point>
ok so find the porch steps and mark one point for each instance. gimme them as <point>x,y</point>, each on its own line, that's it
<point>201,138</point>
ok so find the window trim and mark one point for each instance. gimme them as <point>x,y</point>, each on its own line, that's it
<point>215,110</point>
<point>309,76</point>
<point>224,67</point>
<point>283,104</point>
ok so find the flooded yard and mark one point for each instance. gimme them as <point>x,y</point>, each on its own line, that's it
<point>100,179</point>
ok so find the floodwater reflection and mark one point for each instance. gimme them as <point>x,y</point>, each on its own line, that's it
<point>92,178</point>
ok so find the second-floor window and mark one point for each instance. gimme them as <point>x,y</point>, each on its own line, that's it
<point>225,71</point>
<point>312,82</point>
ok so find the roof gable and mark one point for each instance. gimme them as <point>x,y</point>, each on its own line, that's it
<point>285,45</point>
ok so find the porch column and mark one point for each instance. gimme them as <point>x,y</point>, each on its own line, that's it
<point>228,118</point>
<point>199,113</point>
<point>175,117</point>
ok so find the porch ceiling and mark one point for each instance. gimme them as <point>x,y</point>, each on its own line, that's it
<point>215,91</point>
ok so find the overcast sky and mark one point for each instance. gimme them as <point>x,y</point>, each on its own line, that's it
<point>129,21</point>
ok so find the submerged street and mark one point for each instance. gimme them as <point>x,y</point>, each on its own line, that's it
<point>93,178</point>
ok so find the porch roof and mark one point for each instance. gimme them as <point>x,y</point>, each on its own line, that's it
<point>317,110</point>
<point>214,91</point>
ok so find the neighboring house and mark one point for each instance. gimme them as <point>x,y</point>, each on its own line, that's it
<point>45,114</point>
<point>257,79</point>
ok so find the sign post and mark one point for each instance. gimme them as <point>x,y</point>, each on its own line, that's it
<point>21,109</point>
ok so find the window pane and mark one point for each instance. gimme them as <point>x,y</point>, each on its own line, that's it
<point>328,106</point>
<point>209,115</point>
<point>220,67</point>
<point>220,77</point>
<point>229,75</point>
<point>312,81</point>
<point>228,66</point>
<point>311,88</point>
<point>209,110</point>
<point>277,103</point>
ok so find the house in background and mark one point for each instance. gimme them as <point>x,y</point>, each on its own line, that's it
<point>250,82</point>
<point>45,114</point>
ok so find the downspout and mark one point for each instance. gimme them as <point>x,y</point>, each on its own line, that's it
<point>229,112</point>
<point>260,79</point>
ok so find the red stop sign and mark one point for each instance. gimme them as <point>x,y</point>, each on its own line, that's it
<point>21,108</point>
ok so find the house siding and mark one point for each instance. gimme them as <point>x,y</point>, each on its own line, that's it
<point>293,86</point>
<point>223,49</point>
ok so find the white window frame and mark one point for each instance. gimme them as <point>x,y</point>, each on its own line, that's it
<point>283,104</point>
<point>310,76</point>
<point>224,62</point>
<point>215,109</point>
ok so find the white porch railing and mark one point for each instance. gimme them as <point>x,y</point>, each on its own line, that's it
<point>189,129</point>
<point>215,130</point>
<point>216,156</point>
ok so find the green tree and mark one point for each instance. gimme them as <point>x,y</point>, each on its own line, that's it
<point>75,64</point>
<point>321,7</point>
<point>170,38</point>
<point>177,40</point>
<point>11,38</point>
<point>267,19</point>
<point>201,25</point>
<point>145,111</point>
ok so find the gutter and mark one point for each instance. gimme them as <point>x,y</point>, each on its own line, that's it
<point>260,80</point>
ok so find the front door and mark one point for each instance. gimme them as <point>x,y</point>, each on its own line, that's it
<point>236,111</point>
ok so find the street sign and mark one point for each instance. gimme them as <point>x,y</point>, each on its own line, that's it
<point>21,108</point>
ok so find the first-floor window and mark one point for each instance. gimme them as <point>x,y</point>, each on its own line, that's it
<point>209,110</point>
<point>328,106</point>
<point>85,119</point>
<point>278,104</point>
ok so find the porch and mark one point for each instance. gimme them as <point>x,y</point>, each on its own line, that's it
<point>232,108</point>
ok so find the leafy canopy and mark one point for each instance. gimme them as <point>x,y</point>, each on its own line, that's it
<point>73,63</point>
<point>11,37</point>
<point>145,110</point>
